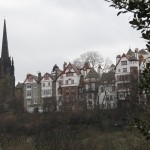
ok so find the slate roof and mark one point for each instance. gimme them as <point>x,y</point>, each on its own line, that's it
<point>108,76</point>
<point>19,85</point>
<point>86,66</point>
<point>92,74</point>
<point>33,76</point>
<point>50,75</point>
<point>143,52</point>
<point>133,58</point>
<point>74,67</point>
<point>130,52</point>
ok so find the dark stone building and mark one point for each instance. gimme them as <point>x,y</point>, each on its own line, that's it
<point>7,78</point>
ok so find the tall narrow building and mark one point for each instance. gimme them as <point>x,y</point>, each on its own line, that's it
<point>7,77</point>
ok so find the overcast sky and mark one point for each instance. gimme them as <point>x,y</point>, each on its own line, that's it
<point>42,33</point>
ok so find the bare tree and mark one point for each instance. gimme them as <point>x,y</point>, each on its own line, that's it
<point>93,57</point>
<point>106,65</point>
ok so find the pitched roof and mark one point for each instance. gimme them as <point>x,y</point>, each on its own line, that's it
<point>19,85</point>
<point>50,75</point>
<point>143,52</point>
<point>108,76</point>
<point>92,74</point>
<point>33,76</point>
<point>74,68</point>
<point>86,66</point>
<point>123,55</point>
<point>130,52</point>
<point>133,58</point>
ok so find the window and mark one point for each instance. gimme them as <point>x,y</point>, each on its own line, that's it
<point>105,82</point>
<point>35,101</point>
<point>87,86</point>
<point>72,81</point>
<point>49,84</point>
<point>28,86</point>
<point>124,69</point>
<point>66,81</point>
<point>118,70</point>
<point>29,93</point>
<point>46,92</point>
<point>43,84</point>
<point>35,94</point>
<point>69,74</point>
<point>49,92</point>
<point>28,102</point>
<point>123,63</point>
<point>93,86</point>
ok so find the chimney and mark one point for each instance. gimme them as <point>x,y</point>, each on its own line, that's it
<point>99,70</point>
<point>39,76</point>
<point>136,53</point>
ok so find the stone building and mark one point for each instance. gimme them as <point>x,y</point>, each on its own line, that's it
<point>7,77</point>
<point>128,68</point>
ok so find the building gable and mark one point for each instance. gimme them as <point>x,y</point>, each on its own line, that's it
<point>30,79</point>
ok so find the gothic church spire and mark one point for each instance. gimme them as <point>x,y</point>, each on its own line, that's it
<point>4,53</point>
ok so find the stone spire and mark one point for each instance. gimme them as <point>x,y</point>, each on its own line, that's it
<point>4,53</point>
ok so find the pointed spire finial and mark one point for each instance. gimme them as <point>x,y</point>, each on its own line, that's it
<point>4,53</point>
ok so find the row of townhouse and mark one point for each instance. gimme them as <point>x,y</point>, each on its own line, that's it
<point>70,89</point>
<point>86,88</point>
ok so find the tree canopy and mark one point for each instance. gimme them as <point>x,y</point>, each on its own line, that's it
<point>94,58</point>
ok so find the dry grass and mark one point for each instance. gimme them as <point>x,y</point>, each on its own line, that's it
<point>116,140</point>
